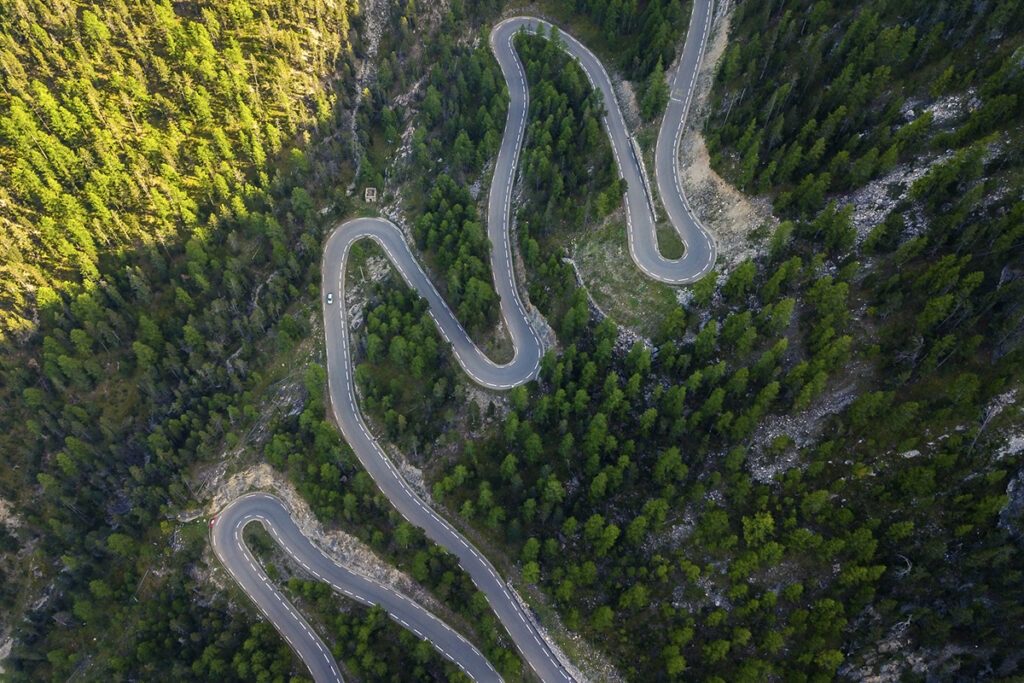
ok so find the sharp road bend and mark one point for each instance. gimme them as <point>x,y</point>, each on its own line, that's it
<point>269,511</point>
<point>542,656</point>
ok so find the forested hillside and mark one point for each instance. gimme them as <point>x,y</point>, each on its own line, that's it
<point>132,125</point>
<point>645,33</point>
<point>199,151</point>
<point>154,166</point>
<point>806,476</point>
<point>803,475</point>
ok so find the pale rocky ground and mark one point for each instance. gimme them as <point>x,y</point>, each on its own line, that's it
<point>1014,446</point>
<point>876,200</point>
<point>12,520</point>
<point>375,269</point>
<point>1011,517</point>
<point>8,516</point>
<point>729,215</point>
<point>375,16</point>
<point>801,428</point>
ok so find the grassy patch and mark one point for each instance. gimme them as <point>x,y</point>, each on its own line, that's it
<point>669,244</point>
<point>616,285</point>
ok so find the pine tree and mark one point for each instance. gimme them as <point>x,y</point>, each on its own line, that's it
<point>655,95</point>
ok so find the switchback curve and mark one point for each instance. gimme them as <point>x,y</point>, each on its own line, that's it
<point>270,511</point>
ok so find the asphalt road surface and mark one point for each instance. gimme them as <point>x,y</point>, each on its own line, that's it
<point>699,257</point>
<point>697,260</point>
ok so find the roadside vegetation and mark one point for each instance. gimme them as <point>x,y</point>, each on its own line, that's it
<point>306,446</point>
<point>446,138</point>
<point>639,40</point>
<point>365,642</point>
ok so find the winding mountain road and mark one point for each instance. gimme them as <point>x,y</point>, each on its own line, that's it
<point>699,256</point>
<point>698,259</point>
<point>269,511</point>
